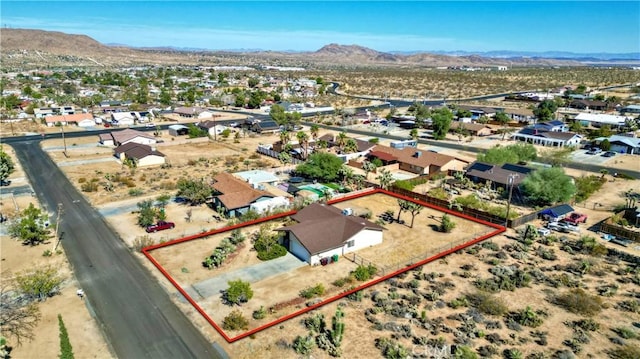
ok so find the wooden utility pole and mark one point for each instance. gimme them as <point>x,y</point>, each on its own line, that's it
<point>64,141</point>
<point>55,247</point>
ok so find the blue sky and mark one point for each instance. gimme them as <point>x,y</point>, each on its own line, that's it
<point>576,26</point>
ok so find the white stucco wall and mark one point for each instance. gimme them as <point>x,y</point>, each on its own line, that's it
<point>364,239</point>
<point>141,140</point>
<point>151,160</point>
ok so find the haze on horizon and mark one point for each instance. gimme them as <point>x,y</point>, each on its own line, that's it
<point>573,26</point>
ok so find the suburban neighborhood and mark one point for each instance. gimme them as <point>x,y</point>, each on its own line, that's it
<point>295,212</point>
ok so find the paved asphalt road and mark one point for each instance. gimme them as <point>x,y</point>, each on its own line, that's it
<point>134,311</point>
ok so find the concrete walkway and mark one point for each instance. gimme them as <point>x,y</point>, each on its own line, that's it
<point>255,273</point>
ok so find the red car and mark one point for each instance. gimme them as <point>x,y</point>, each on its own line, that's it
<point>575,218</point>
<point>160,226</point>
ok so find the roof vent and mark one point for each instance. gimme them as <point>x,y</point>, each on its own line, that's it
<point>417,154</point>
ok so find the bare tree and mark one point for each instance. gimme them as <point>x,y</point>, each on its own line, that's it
<point>18,316</point>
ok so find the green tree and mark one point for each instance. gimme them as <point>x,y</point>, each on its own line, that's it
<point>321,166</point>
<point>368,167</point>
<point>165,97</point>
<point>441,122</point>
<point>385,178</point>
<point>502,119</point>
<point>303,140</point>
<point>39,283</point>
<point>414,209</point>
<point>31,228</point>
<point>605,145</point>
<point>66,350</point>
<point>546,110</point>
<point>195,191</point>
<point>238,292</point>
<point>253,82</point>
<point>414,134</point>
<point>350,146</point>
<point>499,155</point>
<point>315,130</point>
<point>447,224</point>
<point>10,102</point>
<point>547,186</point>
<point>7,167</point>
<point>146,213</point>
<point>277,114</point>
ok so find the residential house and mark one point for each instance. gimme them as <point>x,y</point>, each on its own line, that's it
<point>601,119</point>
<point>118,138</point>
<point>547,138</point>
<point>258,177</point>
<point>124,118</point>
<point>416,161</point>
<point>622,144</point>
<point>479,111</point>
<point>630,109</point>
<point>211,127</point>
<point>144,155</point>
<point>42,112</point>
<point>192,112</point>
<point>585,104</point>
<point>266,126</point>
<point>79,119</point>
<point>236,197</point>
<point>498,175</point>
<point>552,126</point>
<point>520,115</point>
<point>323,231</point>
<point>473,129</point>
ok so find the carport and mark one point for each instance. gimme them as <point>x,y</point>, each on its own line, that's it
<point>557,212</point>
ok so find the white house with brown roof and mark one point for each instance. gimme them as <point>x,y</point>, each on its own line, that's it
<point>79,119</point>
<point>323,231</point>
<point>118,138</point>
<point>474,129</point>
<point>236,197</point>
<point>144,155</point>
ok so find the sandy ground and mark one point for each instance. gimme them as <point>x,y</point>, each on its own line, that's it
<point>84,334</point>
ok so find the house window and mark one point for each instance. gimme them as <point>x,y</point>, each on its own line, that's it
<point>351,243</point>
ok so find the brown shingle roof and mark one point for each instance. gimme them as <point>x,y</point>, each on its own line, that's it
<point>236,193</point>
<point>475,127</point>
<point>127,135</point>
<point>408,155</point>
<point>69,118</point>
<point>136,150</point>
<point>323,227</point>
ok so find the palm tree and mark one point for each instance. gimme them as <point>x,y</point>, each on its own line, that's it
<point>341,139</point>
<point>346,173</point>
<point>303,140</point>
<point>351,146</point>
<point>385,178</point>
<point>414,134</point>
<point>314,132</point>
<point>285,136</point>
<point>367,167</point>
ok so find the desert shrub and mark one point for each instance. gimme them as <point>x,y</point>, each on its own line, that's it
<point>625,333</point>
<point>438,193</point>
<point>363,273</point>
<point>586,186</point>
<point>91,186</point>
<point>238,292</point>
<point>464,352</point>
<point>487,303</point>
<point>315,323</point>
<point>276,251</point>
<point>341,282</point>
<point>459,302</point>
<point>588,324</point>
<point>142,242</point>
<point>391,349</point>
<point>260,313</point>
<point>303,345</point>
<point>235,321</point>
<point>528,317</point>
<point>82,180</point>
<point>630,305</point>
<point>447,224</point>
<point>311,292</point>
<point>513,353</point>
<point>578,301</point>
<point>134,192</point>
<point>66,350</point>
<point>39,283</point>
<point>624,352</point>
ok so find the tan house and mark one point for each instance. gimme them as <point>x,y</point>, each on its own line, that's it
<point>79,119</point>
<point>415,160</point>
<point>117,138</point>
<point>236,197</point>
<point>473,129</point>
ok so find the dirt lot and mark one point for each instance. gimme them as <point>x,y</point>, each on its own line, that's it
<point>84,334</point>
<point>401,245</point>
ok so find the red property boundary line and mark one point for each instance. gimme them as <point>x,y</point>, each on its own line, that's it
<point>146,251</point>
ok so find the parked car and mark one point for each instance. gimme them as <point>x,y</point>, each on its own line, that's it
<point>609,154</point>
<point>160,226</point>
<point>562,227</point>
<point>575,218</point>
<point>544,231</point>
<point>594,151</point>
<point>150,125</point>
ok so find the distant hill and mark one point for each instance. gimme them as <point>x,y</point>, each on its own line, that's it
<point>25,47</point>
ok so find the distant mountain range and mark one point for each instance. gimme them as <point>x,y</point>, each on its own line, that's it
<point>545,54</point>
<point>19,44</point>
